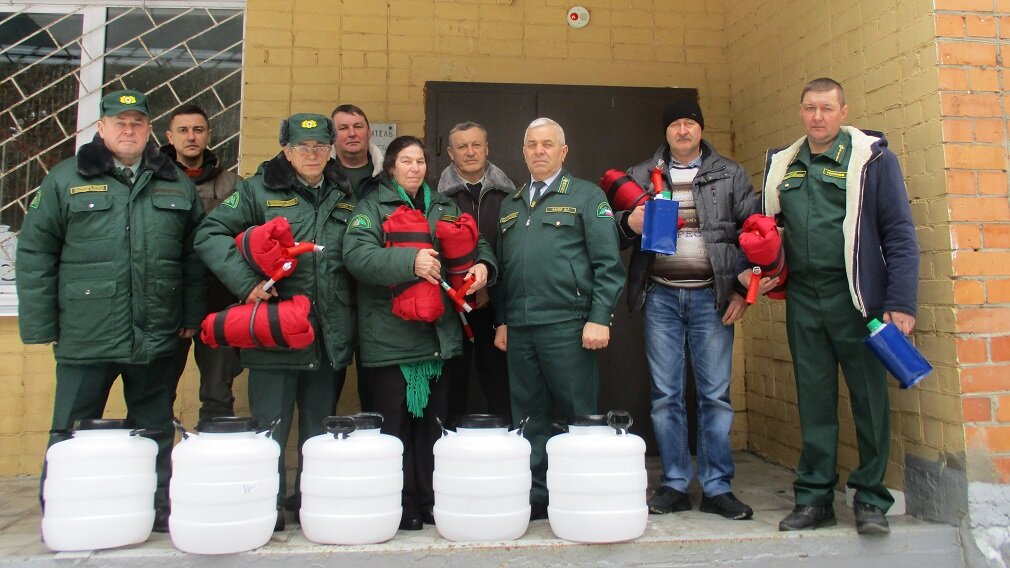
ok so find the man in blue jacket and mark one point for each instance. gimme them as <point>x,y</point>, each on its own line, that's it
<point>852,254</point>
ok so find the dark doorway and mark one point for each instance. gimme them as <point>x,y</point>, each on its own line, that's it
<point>605,127</point>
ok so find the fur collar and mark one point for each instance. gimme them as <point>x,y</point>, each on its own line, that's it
<point>95,159</point>
<point>451,183</point>
<point>279,174</point>
<point>211,165</point>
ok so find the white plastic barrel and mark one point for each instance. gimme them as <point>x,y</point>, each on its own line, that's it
<point>596,479</point>
<point>224,487</point>
<point>99,488</point>
<point>482,481</point>
<point>352,482</point>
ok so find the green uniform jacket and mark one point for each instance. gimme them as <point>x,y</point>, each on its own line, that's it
<point>387,339</point>
<point>316,215</point>
<point>559,260</point>
<point>106,271</point>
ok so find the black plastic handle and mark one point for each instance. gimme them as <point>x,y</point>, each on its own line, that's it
<point>340,426</point>
<point>620,420</point>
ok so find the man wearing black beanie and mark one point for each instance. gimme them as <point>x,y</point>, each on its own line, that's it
<point>692,298</point>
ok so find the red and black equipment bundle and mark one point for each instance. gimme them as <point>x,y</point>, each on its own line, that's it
<point>624,193</point>
<point>458,241</point>
<point>275,325</point>
<point>415,300</point>
<point>761,243</point>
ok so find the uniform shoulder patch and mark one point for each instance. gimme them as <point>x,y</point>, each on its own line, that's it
<point>232,200</point>
<point>834,173</point>
<point>795,174</point>
<point>361,221</point>
<point>282,202</point>
<point>508,217</point>
<point>88,189</point>
<point>345,206</point>
<point>604,210</point>
<point>36,199</point>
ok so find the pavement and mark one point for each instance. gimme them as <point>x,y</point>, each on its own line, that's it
<point>689,539</point>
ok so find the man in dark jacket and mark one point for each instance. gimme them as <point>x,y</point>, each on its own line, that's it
<point>304,185</point>
<point>108,275</point>
<point>478,187</point>
<point>188,137</point>
<point>852,254</point>
<point>692,299</point>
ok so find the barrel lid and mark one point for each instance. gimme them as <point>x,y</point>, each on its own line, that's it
<point>104,424</point>
<point>227,425</point>
<point>367,421</point>
<point>482,421</point>
<point>588,420</point>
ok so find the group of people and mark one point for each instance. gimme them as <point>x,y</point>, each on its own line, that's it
<point>114,248</point>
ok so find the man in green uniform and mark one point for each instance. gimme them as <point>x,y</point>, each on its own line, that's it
<point>852,254</point>
<point>108,275</point>
<point>305,186</point>
<point>560,276</point>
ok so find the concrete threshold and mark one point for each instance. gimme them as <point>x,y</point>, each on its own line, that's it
<point>690,539</point>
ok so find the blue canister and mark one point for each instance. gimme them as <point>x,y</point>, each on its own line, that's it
<point>659,229</point>
<point>897,353</point>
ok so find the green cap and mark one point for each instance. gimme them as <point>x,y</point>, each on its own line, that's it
<point>118,102</point>
<point>874,324</point>
<point>307,126</point>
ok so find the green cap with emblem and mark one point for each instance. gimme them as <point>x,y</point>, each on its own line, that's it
<point>307,126</point>
<point>118,102</point>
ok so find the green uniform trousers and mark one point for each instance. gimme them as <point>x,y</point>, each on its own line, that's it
<point>274,393</point>
<point>550,374</point>
<point>82,391</point>
<point>825,330</point>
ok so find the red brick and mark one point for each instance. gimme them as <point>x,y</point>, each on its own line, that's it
<point>1002,465</point>
<point>984,320</point>
<point>1001,353</point>
<point>975,157</point>
<point>964,5</point>
<point>961,182</point>
<point>962,104</point>
<point>1003,409</point>
<point>1004,53</point>
<point>953,79</point>
<point>984,80</point>
<point>1004,26</point>
<point>972,350</point>
<point>977,409</point>
<point>997,291</point>
<point>989,130</point>
<point>992,183</point>
<point>980,26</point>
<point>993,438</point>
<point>957,130</point>
<point>965,237</point>
<point>982,263</point>
<point>978,209</point>
<point>996,236</point>
<point>949,25</point>
<point>964,53</point>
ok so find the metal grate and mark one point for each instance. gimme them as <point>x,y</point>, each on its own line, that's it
<point>54,68</point>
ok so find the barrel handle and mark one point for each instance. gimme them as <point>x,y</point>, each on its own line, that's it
<point>273,426</point>
<point>620,420</point>
<point>522,426</point>
<point>442,426</point>
<point>179,428</point>
<point>340,426</point>
<point>559,425</point>
<point>146,432</point>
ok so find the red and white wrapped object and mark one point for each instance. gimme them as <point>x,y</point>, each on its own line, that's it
<point>261,325</point>
<point>415,300</point>
<point>622,192</point>
<point>761,243</point>
<point>271,250</point>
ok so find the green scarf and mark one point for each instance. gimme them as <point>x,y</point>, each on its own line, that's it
<point>418,374</point>
<point>406,198</point>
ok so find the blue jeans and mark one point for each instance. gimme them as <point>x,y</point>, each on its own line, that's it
<point>675,318</point>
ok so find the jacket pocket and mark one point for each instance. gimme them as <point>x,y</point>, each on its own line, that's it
<point>171,211</point>
<point>90,217</point>
<point>559,220</point>
<point>86,314</point>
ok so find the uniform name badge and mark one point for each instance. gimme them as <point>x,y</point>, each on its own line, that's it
<point>659,230</point>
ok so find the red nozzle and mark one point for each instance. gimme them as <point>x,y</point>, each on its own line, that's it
<point>752,286</point>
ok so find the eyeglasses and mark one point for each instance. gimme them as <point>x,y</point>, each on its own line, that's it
<point>306,150</point>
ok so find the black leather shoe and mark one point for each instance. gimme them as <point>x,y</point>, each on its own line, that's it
<point>538,511</point>
<point>279,525</point>
<point>160,521</point>
<point>806,517</point>
<point>669,500</point>
<point>411,523</point>
<point>428,517</point>
<point>870,519</point>
<point>726,505</point>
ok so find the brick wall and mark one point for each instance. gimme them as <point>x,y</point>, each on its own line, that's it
<point>973,59</point>
<point>883,53</point>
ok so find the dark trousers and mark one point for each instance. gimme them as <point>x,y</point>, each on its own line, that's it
<point>389,394</point>
<point>218,369</point>
<point>274,393</point>
<point>825,330</point>
<point>549,371</point>
<point>491,365</point>
<point>82,390</point>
